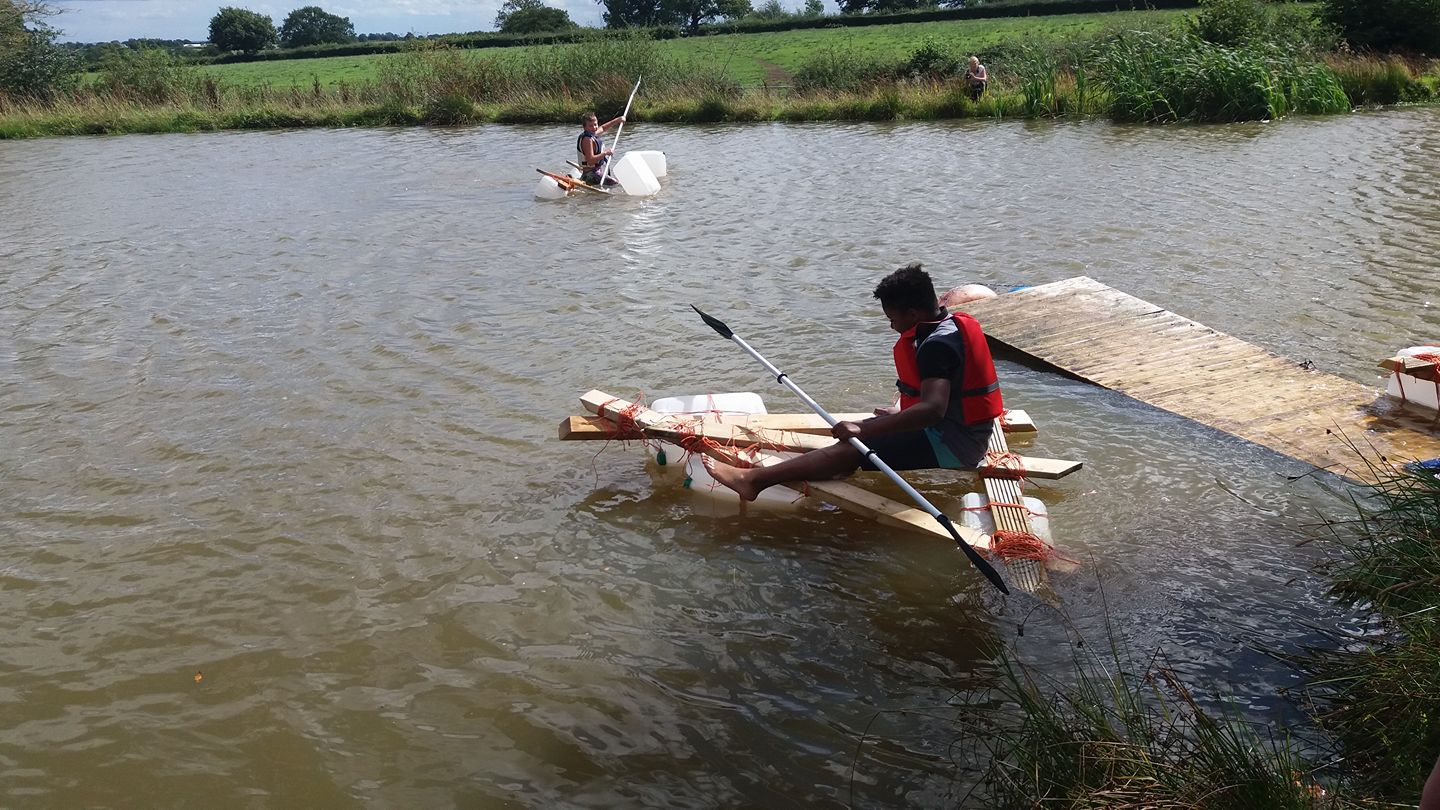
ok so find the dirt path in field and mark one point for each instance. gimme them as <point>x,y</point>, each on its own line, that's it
<point>774,74</point>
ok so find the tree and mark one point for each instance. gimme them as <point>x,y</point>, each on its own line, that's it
<point>814,8</point>
<point>637,13</point>
<point>691,13</point>
<point>770,10</point>
<point>236,29</point>
<point>531,17</point>
<point>313,25</point>
<point>733,9</point>
<point>1408,25</point>
<point>32,66</point>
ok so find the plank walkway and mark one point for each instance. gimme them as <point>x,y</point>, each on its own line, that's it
<point>1142,350</point>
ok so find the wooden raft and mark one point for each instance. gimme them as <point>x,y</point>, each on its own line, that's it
<point>1147,352</point>
<point>844,495</point>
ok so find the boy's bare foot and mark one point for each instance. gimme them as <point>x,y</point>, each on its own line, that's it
<point>736,479</point>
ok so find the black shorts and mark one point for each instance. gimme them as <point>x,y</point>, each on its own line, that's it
<point>926,450</point>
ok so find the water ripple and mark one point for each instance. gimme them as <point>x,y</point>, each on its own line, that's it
<point>285,514</point>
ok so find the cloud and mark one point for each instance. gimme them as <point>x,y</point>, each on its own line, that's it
<point>106,20</point>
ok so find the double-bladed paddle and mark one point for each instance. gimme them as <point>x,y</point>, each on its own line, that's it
<point>784,379</point>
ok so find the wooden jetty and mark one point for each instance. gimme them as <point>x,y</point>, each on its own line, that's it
<point>1142,350</point>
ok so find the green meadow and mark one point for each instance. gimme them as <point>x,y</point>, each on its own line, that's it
<point>744,58</point>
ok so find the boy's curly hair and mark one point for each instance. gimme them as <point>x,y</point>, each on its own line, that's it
<point>909,287</point>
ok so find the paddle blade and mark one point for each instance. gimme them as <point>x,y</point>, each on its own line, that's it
<point>975,559</point>
<point>714,323</point>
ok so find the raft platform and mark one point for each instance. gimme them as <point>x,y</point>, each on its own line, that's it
<point>1118,341</point>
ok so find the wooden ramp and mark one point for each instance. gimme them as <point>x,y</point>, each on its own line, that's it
<point>1147,352</point>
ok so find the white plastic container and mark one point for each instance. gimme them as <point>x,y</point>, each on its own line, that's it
<point>977,515</point>
<point>655,159</point>
<point>548,189</point>
<point>635,176</point>
<point>745,402</point>
<point>1413,389</point>
<point>692,474</point>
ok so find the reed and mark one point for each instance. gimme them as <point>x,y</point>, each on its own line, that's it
<point>1118,735</point>
<point>1379,694</point>
<point>1389,79</point>
<point>1121,734</point>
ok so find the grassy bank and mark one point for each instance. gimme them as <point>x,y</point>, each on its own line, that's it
<point>1145,67</point>
<point>1126,736</point>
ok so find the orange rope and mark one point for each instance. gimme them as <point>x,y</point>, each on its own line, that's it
<point>1005,465</point>
<point>1020,546</point>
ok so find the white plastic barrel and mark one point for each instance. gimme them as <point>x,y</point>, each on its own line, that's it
<point>548,189</point>
<point>977,515</point>
<point>655,159</point>
<point>635,176</point>
<point>744,402</point>
<point>692,473</point>
<point>1413,389</point>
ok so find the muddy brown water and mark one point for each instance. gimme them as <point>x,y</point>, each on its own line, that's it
<point>285,524</point>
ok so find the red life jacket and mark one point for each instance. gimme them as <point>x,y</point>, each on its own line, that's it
<point>980,388</point>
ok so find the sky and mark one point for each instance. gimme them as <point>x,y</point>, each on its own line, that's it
<point>106,20</point>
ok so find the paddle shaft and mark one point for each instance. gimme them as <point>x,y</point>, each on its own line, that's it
<point>615,146</point>
<point>865,452</point>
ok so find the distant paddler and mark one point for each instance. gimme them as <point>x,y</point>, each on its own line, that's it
<point>593,156</point>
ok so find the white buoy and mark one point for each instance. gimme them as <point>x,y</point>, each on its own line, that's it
<point>549,189</point>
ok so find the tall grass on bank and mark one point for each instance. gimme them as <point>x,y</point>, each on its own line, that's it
<point>1380,695</point>
<point>1177,78</point>
<point>1147,76</point>
<point>1118,736</point>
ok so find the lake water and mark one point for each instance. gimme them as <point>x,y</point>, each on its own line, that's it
<point>285,522</point>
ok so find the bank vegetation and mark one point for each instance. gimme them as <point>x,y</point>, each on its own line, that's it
<point>1122,734</point>
<point>1233,60</point>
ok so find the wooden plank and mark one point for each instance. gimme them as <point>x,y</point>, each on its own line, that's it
<point>594,428</point>
<point>684,428</point>
<point>846,496</point>
<point>1124,343</point>
<point>570,184</point>
<point>1014,421</point>
<point>1415,367</point>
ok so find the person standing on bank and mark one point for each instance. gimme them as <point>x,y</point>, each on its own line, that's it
<point>591,150</point>
<point>976,77</point>
<point>949,398</point>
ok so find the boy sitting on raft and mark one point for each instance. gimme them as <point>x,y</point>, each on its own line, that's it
<point>590,149</point>
<point>949,398</point>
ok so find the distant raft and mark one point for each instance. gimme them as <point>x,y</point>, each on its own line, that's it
<point>636,174</point>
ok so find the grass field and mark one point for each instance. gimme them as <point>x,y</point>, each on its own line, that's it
<point>744,57</point>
